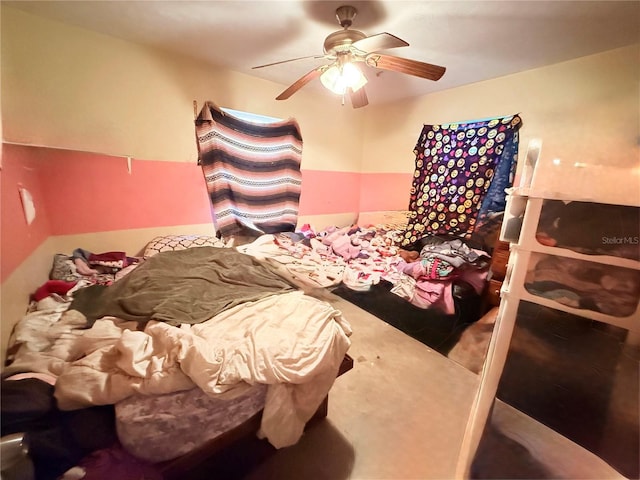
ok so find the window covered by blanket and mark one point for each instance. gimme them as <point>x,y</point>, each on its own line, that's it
<point>461,173</point>
<point>252,171</point>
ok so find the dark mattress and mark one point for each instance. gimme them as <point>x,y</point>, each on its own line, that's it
<point>429,326</point>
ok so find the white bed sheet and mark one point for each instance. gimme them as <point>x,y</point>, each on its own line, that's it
<point>291,342</point>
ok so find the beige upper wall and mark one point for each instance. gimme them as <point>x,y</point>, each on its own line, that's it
<point>67,87</point>
<point>585,110</point>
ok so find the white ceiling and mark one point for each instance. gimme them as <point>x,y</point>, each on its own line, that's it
<point>475,40</point>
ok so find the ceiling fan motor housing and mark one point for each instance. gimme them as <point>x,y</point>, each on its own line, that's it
<point>341,41</point>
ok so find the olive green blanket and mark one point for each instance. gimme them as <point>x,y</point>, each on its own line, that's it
<point>186,286</point>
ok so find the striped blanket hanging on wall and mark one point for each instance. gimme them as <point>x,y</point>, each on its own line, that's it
<point>252,171</point>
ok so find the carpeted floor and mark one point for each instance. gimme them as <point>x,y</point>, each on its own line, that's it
<point>400,414</point>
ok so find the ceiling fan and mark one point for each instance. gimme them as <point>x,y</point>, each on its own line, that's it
<point>345,48</point>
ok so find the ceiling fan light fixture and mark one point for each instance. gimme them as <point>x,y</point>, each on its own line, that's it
<point>339,78</point>
<point>344,47</point>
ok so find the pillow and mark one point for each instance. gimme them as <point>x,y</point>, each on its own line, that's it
<point>390,219</point>
<point>64,269</point>
<point>167,243</point>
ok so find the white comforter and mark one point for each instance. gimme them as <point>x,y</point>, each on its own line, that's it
<point>291,341</point>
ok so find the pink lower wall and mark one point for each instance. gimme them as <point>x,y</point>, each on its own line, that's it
<point>329,192</point>
<point>384,191</point>
<point>18,239</point>
<point>96,193</point>
<point>79,192</point>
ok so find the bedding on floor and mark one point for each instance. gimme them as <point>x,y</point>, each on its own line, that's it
<point>359,257</point>
<point>431,292</point>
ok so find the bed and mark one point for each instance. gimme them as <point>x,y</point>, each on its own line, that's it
<point>173,341</point>
<point>432,289</point>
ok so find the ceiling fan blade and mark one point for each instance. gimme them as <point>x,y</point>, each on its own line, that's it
<point>381,41</point>
<point>286,61</point>
<point>301,82</point>
<point>404,65</point>
<point>359,98</point>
